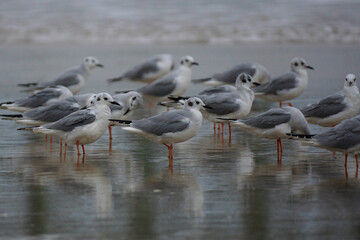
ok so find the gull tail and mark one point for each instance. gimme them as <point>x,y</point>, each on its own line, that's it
<point>5,105</point>
<point>111,80</point>
<point>177,98</point>
<point>27,84</point>
<point>11,116</point>
<point>173,104</point>
<point>201,80</point>
<point>125,91</point>
<point>26,129</point>
<point>120,122</point>
<point>300,136</point>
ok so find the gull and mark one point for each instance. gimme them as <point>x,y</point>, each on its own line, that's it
<point>287,86</point>
<point>73,78</point>
<point>127,104</point>
<point>275,123</point>
<point>174,83</point>
<point>149,69</point>
<point>337,107</point>
<point>84,126</point>
<point>259,74</point>
<point>344,137</point>
<point>225,101</point>
<point>51,112</point>
<point>170,127</point>
<point>40,98</point>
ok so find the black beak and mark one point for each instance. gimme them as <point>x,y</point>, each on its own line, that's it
<point>194,63</point>
<point>207,107</point>
<point>99,65</point>
<point>310,67</point>
<point>127,111</point>
<point>115,103</point>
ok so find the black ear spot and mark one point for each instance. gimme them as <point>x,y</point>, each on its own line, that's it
<point>296,64</point>
<point>181,62</point>
<point>98,99</point>
<point>134,98</point>
<point>191,104</point>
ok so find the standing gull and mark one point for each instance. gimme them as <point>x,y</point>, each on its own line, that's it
<point>73,78</point>
<point>226,101</point>
<point>259,74</point>
<point>344,137</point>
<point>275,123</point>
<point>149,69</point>
<point>174,83</point>
<point>170,127</point>
<point>287,86</point>
<point>40,98</point>
<point>335,108</point>
<point>51,112</point>
<point>127,104</point>
<point>83,126</point>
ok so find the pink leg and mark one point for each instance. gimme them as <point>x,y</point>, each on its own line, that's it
<point>77,145</point>
<point>229,132</point>
<point>83,148</point>
<point>110,133</point>
<point>346,156</point>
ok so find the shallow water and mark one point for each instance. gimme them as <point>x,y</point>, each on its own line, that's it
<point>217,189</point>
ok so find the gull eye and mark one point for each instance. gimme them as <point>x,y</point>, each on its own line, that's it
<point>296,64</point>
<point>197,102</point>
<point>186,60</point>
<point>302,63</point>
<point>134,98</point>
<point>105,98</point>
<point>98,99</point>
<point>191,104</point>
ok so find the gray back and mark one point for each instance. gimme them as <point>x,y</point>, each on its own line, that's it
<point>284,82</point>
<point>269,119</point>
<point>220,104</point>
<point>230,75</point>
<point>326,107</point>
<point>160,87</point>
<point>38,98</point>
<point>167,122</point>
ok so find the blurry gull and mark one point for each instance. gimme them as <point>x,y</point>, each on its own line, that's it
<point>174,83</point>
<point>259,74</point>
<point>84,126</point>
<point>149,69</point>
<point>51,112</point>
<point>287,86</point>
<point>225,101</point>
<point>73,78</point>
<point>335,108</point>
<point>275,123</point>
<point>344,137</point>
<point>127,104</point>
<point>40,98</point>
<point>170,127</point>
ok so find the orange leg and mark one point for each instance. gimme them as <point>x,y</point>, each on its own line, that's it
<point>83,148</point>
<point>77,146</point>
<point>357,162</point>
<point>170,155</point>
<point>346,156</point>
<point>229,133</point>
<point>110,133</point>
<point>279,150</point>
<point>287,103</point>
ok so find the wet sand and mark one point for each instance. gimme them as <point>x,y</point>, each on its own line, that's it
<point>217,190</point>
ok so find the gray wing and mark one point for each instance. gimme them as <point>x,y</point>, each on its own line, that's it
<point>38,98</point>
<point>326,107</point>
<point>73,120</point>
<point>52,112</point>
<point>284,82</point>
<point>160,87</point>
<point>68,78</point>
<point>167,122</point>
<point>218,89</point>
<point>220,104</point>
<point>230,75</point>
<point>269,119</point>
<point>343,136</point>
<point>143,68</point>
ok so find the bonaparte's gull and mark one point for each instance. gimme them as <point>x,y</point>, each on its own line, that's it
<point>51,112</point>
<point>287,86</point>
<point>335,108</point>
<point>40,98</point>
<point>149,69</point>
<point>83,126</point>
<point>170,127</point>
<point>259,74</point>
<point>73,78</point>
<point>275,123</point>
